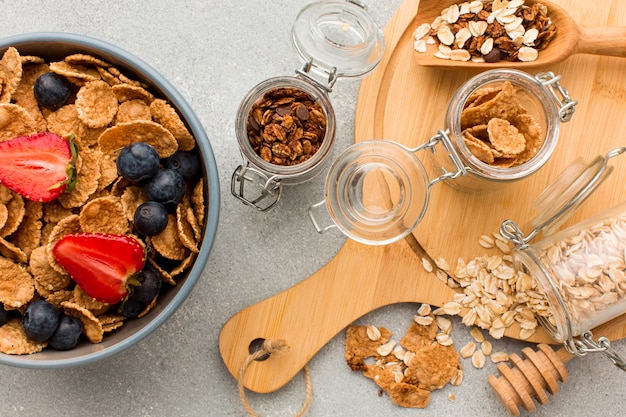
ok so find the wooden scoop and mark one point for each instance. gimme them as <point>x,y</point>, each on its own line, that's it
<point>570,39</point>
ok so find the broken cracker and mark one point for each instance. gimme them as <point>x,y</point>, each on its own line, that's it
<point>433,366</point>
<point>360,347</point>
<point>401,393</point>
<point>418,335</point>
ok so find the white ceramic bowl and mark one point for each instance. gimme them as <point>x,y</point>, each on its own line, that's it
<point>52,46</point>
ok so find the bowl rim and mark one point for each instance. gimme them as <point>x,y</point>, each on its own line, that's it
<point>164,87</point>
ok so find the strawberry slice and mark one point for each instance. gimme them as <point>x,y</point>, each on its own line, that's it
<point>103,265</point>
<point>39,167</point>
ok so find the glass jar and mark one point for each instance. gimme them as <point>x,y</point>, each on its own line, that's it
<point>580,270</point>
<point>527,103</point>
<point>377,191</point>
<point>334,39</point>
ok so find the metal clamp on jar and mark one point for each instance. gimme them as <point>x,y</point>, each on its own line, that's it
<point>504,126</point>
<point>285,125</point>
<point>581,270</point>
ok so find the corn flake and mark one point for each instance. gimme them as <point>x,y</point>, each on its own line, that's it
<point>15,121</point>
<point>13,340</point>
<point>91,325</point>
<point>16,284</point>
<point>165,115</point>
<point>103,215</point>
<point>10,72</point>
<point>115,138</point>
<point>96,104</point>
<point>46,279</point>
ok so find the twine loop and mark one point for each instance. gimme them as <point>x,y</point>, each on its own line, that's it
<point>269,347</point>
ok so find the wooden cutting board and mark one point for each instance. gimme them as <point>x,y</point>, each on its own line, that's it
<point>406,103</point>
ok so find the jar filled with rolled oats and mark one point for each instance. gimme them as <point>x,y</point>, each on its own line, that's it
<point>580,271</point>
<point>285,125</point>
<point>504,126</point>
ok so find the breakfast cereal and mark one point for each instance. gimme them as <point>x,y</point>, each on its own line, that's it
<point>107,110</point>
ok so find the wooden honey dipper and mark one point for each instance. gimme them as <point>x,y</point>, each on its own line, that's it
<point>529,378</point>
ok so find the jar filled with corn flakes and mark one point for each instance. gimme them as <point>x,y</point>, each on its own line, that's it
<point>285,125</point>
<point>580,271</point>
<point>504,126</point>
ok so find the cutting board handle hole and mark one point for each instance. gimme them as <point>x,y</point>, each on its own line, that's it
<point>255,346</point>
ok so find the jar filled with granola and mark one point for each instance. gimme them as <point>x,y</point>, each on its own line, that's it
<point>504,126</point>
<point>580,271</point>
<point>285,125</point>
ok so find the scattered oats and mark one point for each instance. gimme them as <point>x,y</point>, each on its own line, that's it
<point>486,241</point>
<point>439,311</point>
<point>452,308</point>
<point>373,333</point>
<point>477,334</point>
<point>387,348</point>
<point>451,397</point>
<point>424,310</point>
<point>444,323</point>
<point>444,339</point>
<point>442,264</point>
<point>442,276</point>
<point>399,352</point>
<point>499,357</point>
<point>453,13</point>
<point>408,357</point>
<point>478,359</point>
<point>525,334</point>
<point>457,378</point>
<point>503,246</point>
<point>423,320</point>
<point>486,347</point>
<point>427,265</point>
<point>497,333</point>
<point>468,350</point>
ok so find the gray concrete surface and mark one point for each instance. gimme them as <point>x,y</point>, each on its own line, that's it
<point>214,52</point>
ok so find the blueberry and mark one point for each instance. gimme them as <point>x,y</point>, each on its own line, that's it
<point>130,308</point>
<point>52,90</point>
<point>138,161</point>
<point>167,186</point>
<point>67,334</point>
<point>40,320</point>
<point>150,284</point>
<point>4,315</point>
<point>150,218</point>
<point>186,163</point>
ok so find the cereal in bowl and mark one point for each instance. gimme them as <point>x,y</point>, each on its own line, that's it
<point>85,245</point>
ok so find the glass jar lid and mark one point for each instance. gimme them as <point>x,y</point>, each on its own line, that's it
<point>338,38</point>
<point>563,197</point>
